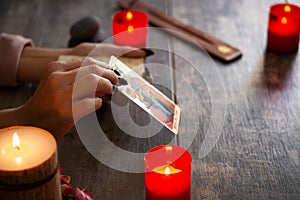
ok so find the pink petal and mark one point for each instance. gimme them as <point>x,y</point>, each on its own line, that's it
<point>65,179</point>
<point>82,194</point>
<point>66,189</point>
<point>61,170</point>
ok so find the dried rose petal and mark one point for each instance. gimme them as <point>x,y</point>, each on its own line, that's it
<point>61,170</point>
<point>82,194</point>
<point>68,192</point>
<point>65,179</point>
<point>66,189</point>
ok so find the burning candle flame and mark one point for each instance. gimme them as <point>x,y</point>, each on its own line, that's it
<point>167,171</point>
<point>129,15</point>
<point>287,8</point>
<point>168,148</point>
<point>16,141</point>
<point>130,28</point>
<point>284,20</point>
<point>18,160</point>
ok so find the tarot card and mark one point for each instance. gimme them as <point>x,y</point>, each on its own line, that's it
<point>146,96</point>
<point>136,64</point>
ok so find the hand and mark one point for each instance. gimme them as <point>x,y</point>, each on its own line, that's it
<point>34,61</point>
<point>106,50</point>
<point>67,92</point>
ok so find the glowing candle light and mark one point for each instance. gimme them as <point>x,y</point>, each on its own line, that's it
<point>129,15</point>
<point>283,28</point>
<point>18,160</point>
<point>284,20</point>
<point>28,164</point>
<point>168,173</point>
<point>130,28</point>
<point>167,170</point>
<point>16,141</point>
<point>287,8</point>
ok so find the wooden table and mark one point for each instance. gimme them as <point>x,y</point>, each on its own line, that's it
<point>242,119</point>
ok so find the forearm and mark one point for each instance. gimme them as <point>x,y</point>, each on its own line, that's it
<point>33,62</point>
<point>11,117</point>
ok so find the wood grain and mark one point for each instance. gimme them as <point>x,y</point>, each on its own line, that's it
<point>255,99</point>
<point>214,46</point>
<point>257,155</point>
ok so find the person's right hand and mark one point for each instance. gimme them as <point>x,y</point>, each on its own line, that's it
<point>67,92</point>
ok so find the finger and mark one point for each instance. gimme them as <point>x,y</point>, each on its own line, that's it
<point>67,65</point>
<point>128,51</point>
<point>91,61</point>
<point>71,76</point>
<point>83,49</point>
<point>86,106</point>
<point>71,70</point>
<point>54,66</point>
<point>76,63</point>
<point>135,53</point>
<point>95,69</point>
<point>92,85</point>
<point>107,50</point>
<point>106,98</point>
<point>81,62</point>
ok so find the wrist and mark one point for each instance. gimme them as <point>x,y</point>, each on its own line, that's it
<point>26,114</point>
<point>34,61</point>
<point>13,117</point>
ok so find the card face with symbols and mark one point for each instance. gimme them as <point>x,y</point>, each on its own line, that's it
<point>146,96</point>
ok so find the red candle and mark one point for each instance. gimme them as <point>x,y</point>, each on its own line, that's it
<point>284,28</point>
<point>130,28</point>
<point>168,173</point>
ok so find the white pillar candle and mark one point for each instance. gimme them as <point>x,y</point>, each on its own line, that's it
<point>28,164</point>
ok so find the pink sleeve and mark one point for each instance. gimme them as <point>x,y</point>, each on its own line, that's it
<point>11,47</point>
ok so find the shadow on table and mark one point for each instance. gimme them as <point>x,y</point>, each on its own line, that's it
<point>131,141</point>
<point>277,70</point>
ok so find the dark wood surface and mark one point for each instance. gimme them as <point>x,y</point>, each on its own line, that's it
<point>240,120</point>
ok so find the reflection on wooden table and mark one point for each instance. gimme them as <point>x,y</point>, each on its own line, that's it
<point>256,155</point>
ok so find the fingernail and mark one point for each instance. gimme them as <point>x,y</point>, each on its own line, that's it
<point>122,81</point>
<point>116,72</point>
<point>148,52</point>
<point>99,101</point>
<point>147,73</point>
<point>115,89</point>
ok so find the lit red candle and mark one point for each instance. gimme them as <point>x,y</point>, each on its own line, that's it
<point>168,173</point>
<point>284,28</point>
<point>130,28</point>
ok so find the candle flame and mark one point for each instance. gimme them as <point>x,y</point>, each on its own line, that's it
<point>18,160</point>
<point>167,171</point>
<point>130,28</point>
<point>16,141</point>
<point>287,8</point>
<point>284,20</point>
<point>129,15</point>
<point>168,148</point>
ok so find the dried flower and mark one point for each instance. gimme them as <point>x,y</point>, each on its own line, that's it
<point>82,194</point>
<point>68,193</point>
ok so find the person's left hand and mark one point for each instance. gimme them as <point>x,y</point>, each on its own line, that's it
<point>106,50</point>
